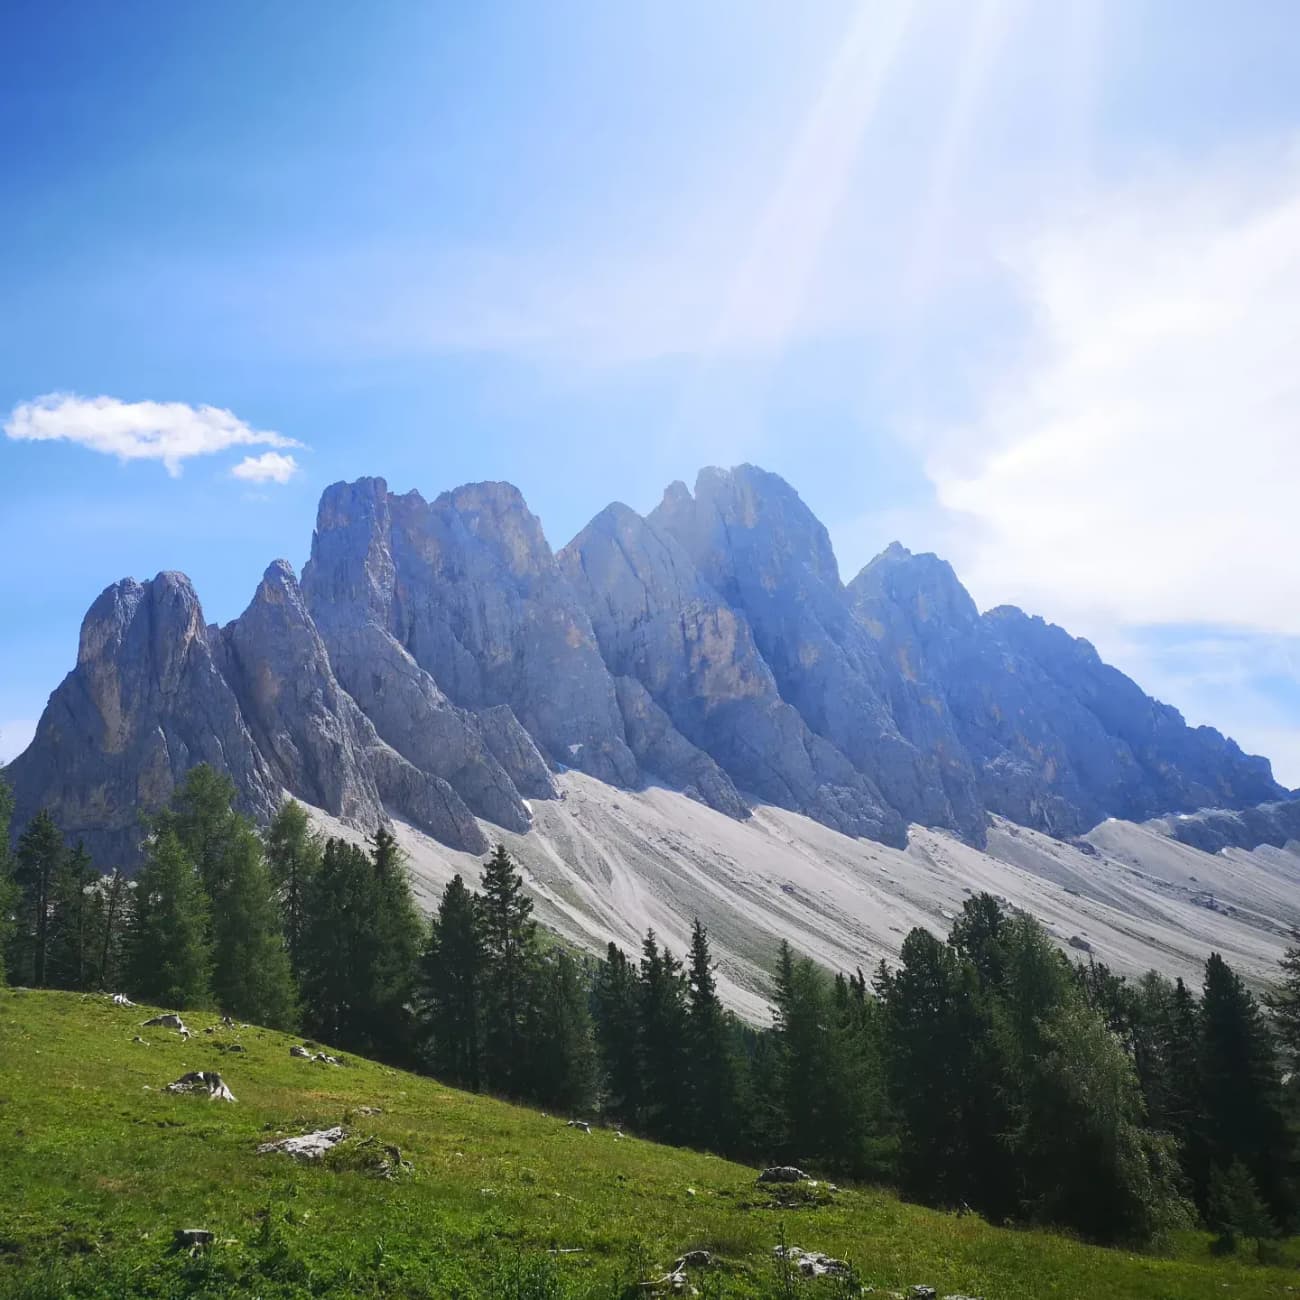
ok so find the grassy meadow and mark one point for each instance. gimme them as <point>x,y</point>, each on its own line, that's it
<point>99,1166</point>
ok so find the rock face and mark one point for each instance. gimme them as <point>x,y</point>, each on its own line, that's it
<point>439,663</point>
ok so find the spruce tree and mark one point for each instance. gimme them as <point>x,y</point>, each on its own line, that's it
<point>112,915</point>
<point>169,954</point>
<point>251,973</point>
<point>293,856</point>
<point>510,942</point>
<point>397,942</point>
<point>661,996</point>
<point>338,947</point>
<point>452,976</point>
<point>561,1054</point>
<point>710,1064</point>
<point>615,1000</point>
<point>40,857</point>
<point>75,922</point>
<point>8,886</point>
<point>1242,1098</point>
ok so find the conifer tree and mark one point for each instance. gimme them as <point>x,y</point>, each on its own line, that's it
<point>510,942</point>
<point>1242,1099</point>
<point>293,856</point>
<point>111,915</point>
<point>8,886</point>
<point>251,975</point>
<point>169,952</point>
<point>74,923</point>
<point>397,941</point>
<point>452,974</point>
<point>710,1063</point>
<point>39,858</point>
<point>561,1055</point>
<point>617,1014</point>
<point>661,997</point>
<point>338,947</point>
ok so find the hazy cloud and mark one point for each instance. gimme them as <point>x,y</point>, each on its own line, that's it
<point>172,432</point>
<point>1137,463</point>
<point>269,467</point>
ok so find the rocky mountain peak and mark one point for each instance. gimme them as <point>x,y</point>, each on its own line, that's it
<point>439,661</point>
<point>921,586</point>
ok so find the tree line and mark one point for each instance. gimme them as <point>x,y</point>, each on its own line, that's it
<point>984,1071</point>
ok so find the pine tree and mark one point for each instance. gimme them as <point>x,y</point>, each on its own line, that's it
<point>8,886</point>
<point>40,857</point>
<point>452,974</point>
<point>661,997</point>
<point>293,856</point>
<point>74,922</point>
<point>561,1052</point>
<point>251,974</point>
<point>394,968</point>
<point>510,942</point>
<point>111,924</point>
<point>338,947</point>
<point>1235,1210</point>
<point>617,1014</point>
<point>361,939</point>
<point>169,953</point>
<point>1242,1099</point>
<point>711,1067</point>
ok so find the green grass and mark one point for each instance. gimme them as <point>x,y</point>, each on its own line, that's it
<point>99,1166</point>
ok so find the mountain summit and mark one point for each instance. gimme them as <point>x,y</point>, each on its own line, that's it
<point>439,663</point>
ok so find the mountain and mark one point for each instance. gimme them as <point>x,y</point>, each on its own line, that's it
<point>441,666</point>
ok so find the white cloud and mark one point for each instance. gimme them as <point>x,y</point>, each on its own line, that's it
<point>15,736</point>
<point>1138,463</point>
<point>269,467</point>
<point>172,432</point>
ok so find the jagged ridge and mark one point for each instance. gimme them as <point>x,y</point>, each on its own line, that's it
<point>439,662</point>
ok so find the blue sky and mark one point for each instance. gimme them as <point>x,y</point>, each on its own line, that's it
<point>1012,281</point>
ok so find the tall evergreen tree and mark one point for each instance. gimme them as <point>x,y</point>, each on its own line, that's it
<point>251,973</point>
<point>710,1063</point>
<point>397,942</point>
<point>1242,1099</point>
<point>169,952</point>
<point>617,1015</point>
<point>40,857</point>
<point>562,1057</point>
<point>74,923</point>
<point>9,892</point>
<point>293,855</point>
<point>661,996</point>
<point>338,947</point>
<point>112,916</point>
<point>452,972</point>
<point>510,942</point>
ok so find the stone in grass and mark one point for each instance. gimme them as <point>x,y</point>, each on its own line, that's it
<point>783,1174</point>
<point>170,1020</point>
<point>302,1052</point>
<point>207,1081</point>
<point>308,1146</point>
<point>192,1239</point>
<point>812,1263</point>
<point>579,1124</point>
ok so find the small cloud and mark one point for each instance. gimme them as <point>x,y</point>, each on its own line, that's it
<point>15,736</point>
<point>269,467</point>
<point>172,432</point>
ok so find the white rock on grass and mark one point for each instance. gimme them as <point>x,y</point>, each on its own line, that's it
<point>308,1146</point>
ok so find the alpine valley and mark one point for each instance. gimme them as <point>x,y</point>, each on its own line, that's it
<point>686,714</point>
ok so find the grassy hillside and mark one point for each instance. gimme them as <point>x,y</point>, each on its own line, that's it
<point>99,1166</point>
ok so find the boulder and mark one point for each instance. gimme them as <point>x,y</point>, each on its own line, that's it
<point>307,1146</point>
<point>783,1174</point>
<point>207,1082</point>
